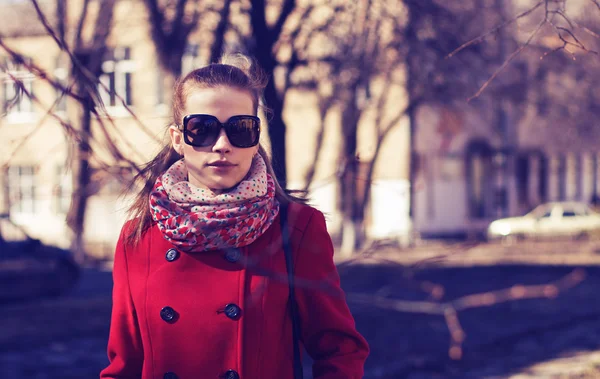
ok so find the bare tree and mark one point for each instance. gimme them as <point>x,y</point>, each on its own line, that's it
<point>364,45</point>
<point>173,22</point>
<point>266,37</point>
<point>86,58</point>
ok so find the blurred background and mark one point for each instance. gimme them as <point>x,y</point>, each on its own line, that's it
<point>453,146</point>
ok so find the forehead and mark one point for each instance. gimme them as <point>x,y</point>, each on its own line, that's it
<point>222,102</point>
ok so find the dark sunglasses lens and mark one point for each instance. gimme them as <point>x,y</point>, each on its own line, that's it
<point>243,131</point>
<point>202,131</point>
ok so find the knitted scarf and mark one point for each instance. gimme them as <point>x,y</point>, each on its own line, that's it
<point>195,220</point>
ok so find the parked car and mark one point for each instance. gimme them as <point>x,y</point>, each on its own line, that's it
<point>556,219</point>
<point>30,268</point>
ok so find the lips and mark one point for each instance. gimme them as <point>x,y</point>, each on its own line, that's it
<point>221,164</point>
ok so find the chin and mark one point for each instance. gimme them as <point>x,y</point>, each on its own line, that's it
<point>224,185</point>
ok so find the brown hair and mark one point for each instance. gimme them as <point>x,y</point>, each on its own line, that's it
<point>235,71</point>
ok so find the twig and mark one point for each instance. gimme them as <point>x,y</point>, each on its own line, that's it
<point>564,16</point>
<point>578,44</point>
<point>494,30</point>
<point>35,129</point>
<point>506,62</point>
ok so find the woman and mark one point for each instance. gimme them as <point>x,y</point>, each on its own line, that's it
<point>198,289</point>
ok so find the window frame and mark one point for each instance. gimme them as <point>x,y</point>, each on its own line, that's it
<point>117,76</point>
<point>23,109</point>
<point>16,195</point>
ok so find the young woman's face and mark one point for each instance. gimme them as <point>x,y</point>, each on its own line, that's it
<point>220,166</point>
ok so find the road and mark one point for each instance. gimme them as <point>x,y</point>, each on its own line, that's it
<point>539,337</point>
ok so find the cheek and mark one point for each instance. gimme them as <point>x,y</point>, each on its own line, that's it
<point>193,154</point>
<point>247,161</point>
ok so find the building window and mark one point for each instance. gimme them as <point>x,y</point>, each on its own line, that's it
<point>112,181</point>
<point>21,189</point>
<point>17,87</point>
<point>543,183</point>
<point>522,173</point>
<point>479,179</point>
<point>117,71</point>
<point>63,189</point>
<point>62,75</point>
<point>562,178</point>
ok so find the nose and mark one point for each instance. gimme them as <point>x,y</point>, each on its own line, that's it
<point>222,144</point>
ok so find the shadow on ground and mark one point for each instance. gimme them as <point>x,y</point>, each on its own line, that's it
<point>501,339</point>
<point>65,337</point>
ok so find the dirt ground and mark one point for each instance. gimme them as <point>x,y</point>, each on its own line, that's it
<point>538,317</point>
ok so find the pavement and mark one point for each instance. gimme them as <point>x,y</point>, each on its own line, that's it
<point>438,310</point>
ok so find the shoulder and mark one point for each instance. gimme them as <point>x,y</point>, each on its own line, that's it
<point>301,216</point>
<point>130,235</point>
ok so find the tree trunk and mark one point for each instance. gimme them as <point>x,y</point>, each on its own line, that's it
<point>324,105</point>
<point>347,198</point>
<point>277,129</point>
<point>216,49</point>
<point>81,181</point>
<point>412,39</point>
<point>167,81</point>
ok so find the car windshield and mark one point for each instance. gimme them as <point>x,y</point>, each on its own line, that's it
<point>540,211</point>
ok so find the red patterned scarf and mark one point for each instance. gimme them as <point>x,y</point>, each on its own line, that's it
<point>195,220</point>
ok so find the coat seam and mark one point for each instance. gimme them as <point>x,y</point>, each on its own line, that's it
<point>125,259</point>
<point>146,302</point>
<point>262,310</point>
<point>240,326</point>
<point>301,240</point>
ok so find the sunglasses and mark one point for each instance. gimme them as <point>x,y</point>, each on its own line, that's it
<point>202,130</point>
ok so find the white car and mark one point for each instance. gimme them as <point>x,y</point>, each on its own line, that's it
<point>571,219</point>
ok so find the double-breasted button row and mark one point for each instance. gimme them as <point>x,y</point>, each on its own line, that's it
<point>168,314</point>
<point>172,255</point>
<point>233,255</point>
<point>233,311</point>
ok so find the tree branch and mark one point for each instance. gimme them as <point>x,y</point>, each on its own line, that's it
<point>286,9</point>
<point>495,30</point>
<point>78,43</point>
<point>258,20</point>
<point>219,34</point>
<point>324,106</point>
<point>507,61</point>
<point>178,21</point>
<point>156,22</point>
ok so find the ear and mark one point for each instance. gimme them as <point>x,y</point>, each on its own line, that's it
<point>176,139</point>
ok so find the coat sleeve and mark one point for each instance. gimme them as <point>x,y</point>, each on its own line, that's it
<point>327,326</point>
<point>125,353</point>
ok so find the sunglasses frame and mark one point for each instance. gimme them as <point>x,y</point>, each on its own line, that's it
<point>222,125</point>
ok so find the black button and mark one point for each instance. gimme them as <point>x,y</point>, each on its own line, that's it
<point>167,314</point>
<point>172,254</point>
<point>233,255</point>
<point>233,311</point>
<point>170,375</point>
<point>231,374</point>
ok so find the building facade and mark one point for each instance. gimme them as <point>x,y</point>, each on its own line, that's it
<point>37,151</point>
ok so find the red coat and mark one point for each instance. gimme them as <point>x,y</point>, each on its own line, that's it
<point>217,314</point>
